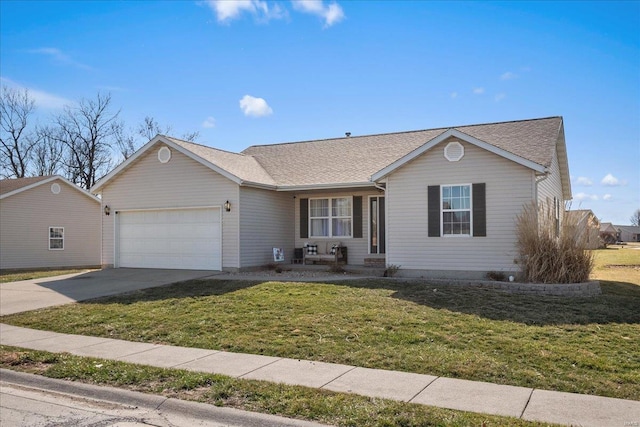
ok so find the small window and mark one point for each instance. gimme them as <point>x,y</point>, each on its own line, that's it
<point>330,217</point>
<point>56,238</point>
<point>456,210</point>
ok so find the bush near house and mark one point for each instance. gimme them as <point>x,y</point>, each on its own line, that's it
<point>551,247</point>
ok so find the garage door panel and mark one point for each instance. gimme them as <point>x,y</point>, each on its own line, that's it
<point>181,238</point>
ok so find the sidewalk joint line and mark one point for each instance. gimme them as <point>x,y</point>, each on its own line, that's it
<point>197,358</point>
<point>423,389</point>
<point>527,404</point>
<point>263,366</point>
<point>339,376</point>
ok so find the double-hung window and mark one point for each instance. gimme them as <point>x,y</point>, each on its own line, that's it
<point>456,210</point>
<point>330,217</point>
<point>56,238</point>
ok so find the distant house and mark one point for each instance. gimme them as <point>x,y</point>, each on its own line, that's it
<point>48,222</point>
<point>608,233</point>
<point>437,202</point>
<point>587,226</point>
<point>628,233</point>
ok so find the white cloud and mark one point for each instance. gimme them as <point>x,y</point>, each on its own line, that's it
<point>607,197</point>
<point>58,56</point>
<point>226,10</point>
<point>454,95</point>
<point>255,107</point>
<point>478,90</point>
<point>331,14</point>
<point>585,196</point>
<point>43,99</point>
<point>499,97</point>
<point>508,76</point>
<point>612,181</point>
<point>583,180</point>
<point>209,123</point>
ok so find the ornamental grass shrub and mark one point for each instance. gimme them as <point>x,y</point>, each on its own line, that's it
<point>552,248</point>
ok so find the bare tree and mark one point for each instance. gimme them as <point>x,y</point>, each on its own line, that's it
<point>88,132</point>
<point>48,153</point>
<point>16,144</point>
<point>635,218</point>
<point>127,142</point>
<point>191,136</point>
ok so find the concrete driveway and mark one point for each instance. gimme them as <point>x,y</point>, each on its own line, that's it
<point>25,295</point>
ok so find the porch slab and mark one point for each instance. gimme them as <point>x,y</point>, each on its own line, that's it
<point>402,386</point>
<point>475,396</point>
<point>299,372</point>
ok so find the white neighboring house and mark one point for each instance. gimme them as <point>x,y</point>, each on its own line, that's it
<point>48,222</point>
<point>437,202</point>
<point>628,233</point>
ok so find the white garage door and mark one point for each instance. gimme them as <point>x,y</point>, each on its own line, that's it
<point>176,238</point>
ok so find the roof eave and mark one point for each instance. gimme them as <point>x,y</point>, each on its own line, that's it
<point>328,186</point>
<point>50,179</point>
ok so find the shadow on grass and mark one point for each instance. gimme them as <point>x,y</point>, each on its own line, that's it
<point>619,302</point>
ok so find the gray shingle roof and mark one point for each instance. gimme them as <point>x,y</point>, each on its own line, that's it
<point>243,166</point>
<point>13,184</point>
<point>354,159</point>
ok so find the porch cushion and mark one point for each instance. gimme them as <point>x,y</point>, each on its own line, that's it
<point>334,248</point>
<point>312,249</point>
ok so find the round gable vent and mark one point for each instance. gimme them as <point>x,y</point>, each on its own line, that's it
<point>55,188</point>
<point>454,151</point>
<point>164,155</point>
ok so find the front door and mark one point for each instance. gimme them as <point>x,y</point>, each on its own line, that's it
<point>376,225</point>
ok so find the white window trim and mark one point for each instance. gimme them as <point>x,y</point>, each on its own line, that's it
<point>57,238</point>
<point>442,211</point>
<point>330,218</point>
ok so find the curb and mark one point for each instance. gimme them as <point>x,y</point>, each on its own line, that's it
<point>194,410</point>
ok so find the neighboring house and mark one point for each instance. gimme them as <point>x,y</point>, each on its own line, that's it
<point>628,233</point>
<point>436,202</point>
<point>587,227</point>
<point>608,233</point>
<point>48,222</point>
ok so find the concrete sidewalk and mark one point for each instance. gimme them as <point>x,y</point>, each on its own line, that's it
<point>519,402</point>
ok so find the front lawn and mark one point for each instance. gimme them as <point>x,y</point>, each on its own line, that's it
<point>583,345</point>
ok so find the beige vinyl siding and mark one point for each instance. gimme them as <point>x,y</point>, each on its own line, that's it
<point>25,219</point>
<point>508,187</point>
<point>357,247</point>
<point>266,219</point>
<point>551,186</point>
<point>180,183</point>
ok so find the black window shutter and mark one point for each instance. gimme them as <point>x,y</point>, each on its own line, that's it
<point>433,210</point>
<point>479,210</point>
<point>304,218</point>
<point>357,217</point>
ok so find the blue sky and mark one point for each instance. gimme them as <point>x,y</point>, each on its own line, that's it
<point>255,72</point>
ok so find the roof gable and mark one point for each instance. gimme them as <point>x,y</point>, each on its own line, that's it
<point>455,133</point>
<point>10,187</point>
<point>241,169</point>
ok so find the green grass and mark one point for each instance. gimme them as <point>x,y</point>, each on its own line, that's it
<point>583,345</point>
<point>290,401</point>
<point>12,276</point>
